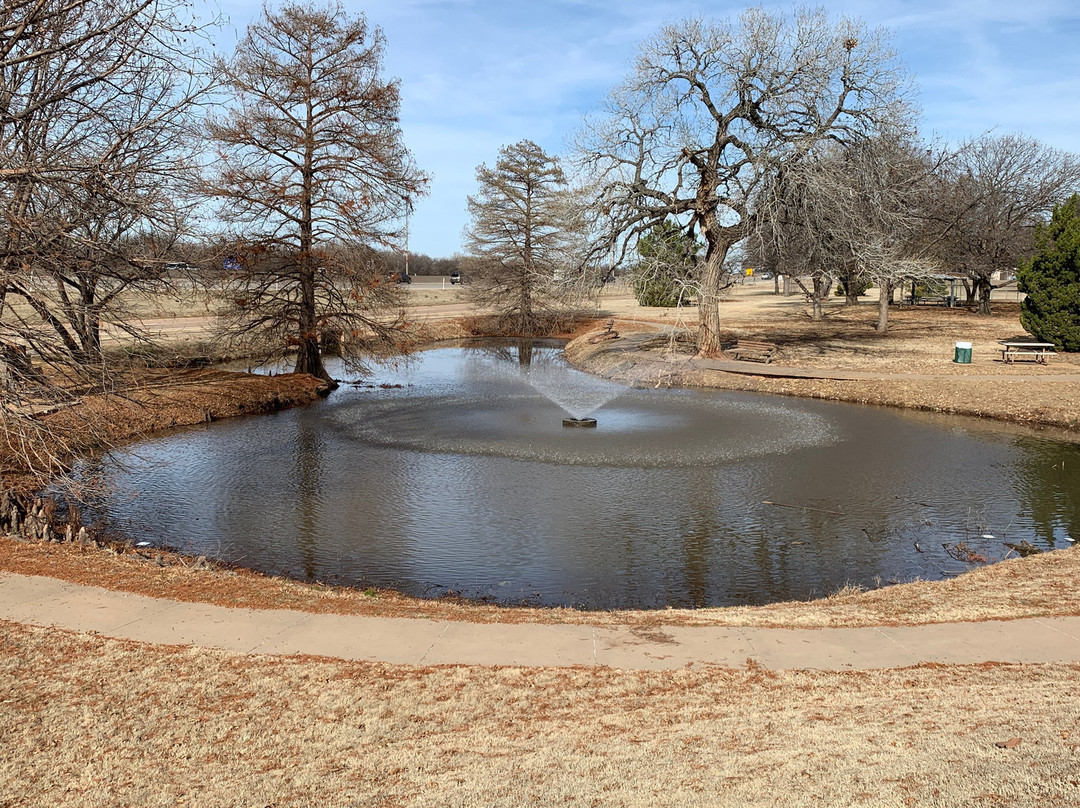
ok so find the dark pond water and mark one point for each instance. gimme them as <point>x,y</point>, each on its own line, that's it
<point>463,479</point>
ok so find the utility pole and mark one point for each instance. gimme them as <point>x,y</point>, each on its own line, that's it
<point>406,242</point>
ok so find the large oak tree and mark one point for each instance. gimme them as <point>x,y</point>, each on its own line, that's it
<point>713,109</point>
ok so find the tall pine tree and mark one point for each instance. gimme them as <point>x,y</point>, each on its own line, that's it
<point>522,242</point>
<point>1051,279</point>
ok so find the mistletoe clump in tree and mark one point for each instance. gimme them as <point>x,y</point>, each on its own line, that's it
<point>1051,279</point>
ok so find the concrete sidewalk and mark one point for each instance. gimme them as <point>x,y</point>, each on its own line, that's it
<point>48,602</point>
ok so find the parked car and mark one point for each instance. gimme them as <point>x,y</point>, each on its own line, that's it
<point>455,277</point>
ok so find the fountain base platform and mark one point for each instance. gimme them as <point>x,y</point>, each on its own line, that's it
<point>586,423</point>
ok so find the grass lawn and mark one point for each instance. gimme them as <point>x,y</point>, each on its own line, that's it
<point>90,721</point>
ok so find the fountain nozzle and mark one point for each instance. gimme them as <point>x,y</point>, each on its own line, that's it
<point>587,423</point>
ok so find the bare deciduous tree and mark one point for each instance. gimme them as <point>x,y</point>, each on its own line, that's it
<point>522,241</point>
<point>312,170</point>
<point>713,109</point>
<point>95,99</point>
<point>991,197</point>
<point>855,212</point>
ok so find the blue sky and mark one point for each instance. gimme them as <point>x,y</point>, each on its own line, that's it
<point>480,74</point>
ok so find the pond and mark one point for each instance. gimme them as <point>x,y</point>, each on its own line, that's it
<point>453,473</point>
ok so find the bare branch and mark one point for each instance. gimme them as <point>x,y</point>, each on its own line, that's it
<point>715,109</point>
<point>312,172</point>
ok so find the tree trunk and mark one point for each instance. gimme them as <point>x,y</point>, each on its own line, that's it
<point>886,293</point>
<point>73,348</point>
<point>985,288</point>
<point>709,342</point>
<point>822,287</point>
<point>308,356</point>
<point>92,344</point>
<point>309,360</point>
<point>527,326</point>
<point>852,283</point>
<point>91,319</point>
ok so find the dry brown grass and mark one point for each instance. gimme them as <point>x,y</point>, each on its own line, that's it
<point>87,721</point>
<point>919,347</point>
<point>920,339</point>
<point>1039,586</point>
<point>190,302</point>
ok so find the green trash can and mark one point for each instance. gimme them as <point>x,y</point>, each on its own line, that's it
<point>962,356</point>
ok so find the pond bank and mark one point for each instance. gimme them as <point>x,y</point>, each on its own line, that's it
<point>1045,586</point>
<point>157,400</point>
<point>1041,586</point>
<point>650,357</point>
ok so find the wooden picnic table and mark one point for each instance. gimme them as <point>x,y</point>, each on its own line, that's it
<point>949,301</point>
<point>1011,350</point>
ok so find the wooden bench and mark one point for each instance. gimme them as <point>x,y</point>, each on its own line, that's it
<point>609,332</point>
<point>748,351</point>
<point>1035,351</point>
